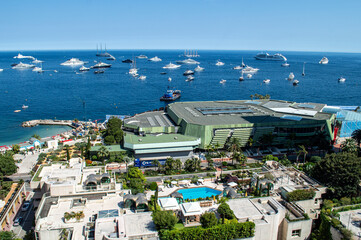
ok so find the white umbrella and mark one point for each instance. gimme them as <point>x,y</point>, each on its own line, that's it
<point>173,182</point>
<point>232,184</point>
<point>183,182</point>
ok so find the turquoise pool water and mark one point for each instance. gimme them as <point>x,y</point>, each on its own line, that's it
<point>194,193</point>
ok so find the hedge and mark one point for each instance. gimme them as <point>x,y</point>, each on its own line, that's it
<point>299,195</point>
<point>218,232</point>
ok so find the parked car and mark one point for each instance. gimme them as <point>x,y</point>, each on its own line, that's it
<point>25,206</point>
<point>18,221</point>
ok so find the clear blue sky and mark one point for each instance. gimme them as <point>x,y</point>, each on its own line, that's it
<point>307,25</point>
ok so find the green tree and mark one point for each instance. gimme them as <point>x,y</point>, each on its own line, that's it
<point>178,164</point>
<point>157,164</point>
<point>304,152</point>
<point>8,235</point>
<point>135,180</point>
<point>225,211</point>
<point>7,164</point>
<point>88,146</point>
<point>153,186</point>
<point>192,165</point>
<point>208,220</point>
<point>210,161</point>
<point>114,128</point>
<point>164,219</point>
<point>169,165</point>
<point>36,136</point>
<point>349,145</point>
<point>234,145</point>
<point>103,153</point>
<point>16,148</point>
<point>135,173</point>
<point>67,153</point>
<point>340,172</point>
<point>109,140</point>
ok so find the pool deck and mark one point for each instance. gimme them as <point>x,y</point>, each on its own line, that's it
<point>167,191</point>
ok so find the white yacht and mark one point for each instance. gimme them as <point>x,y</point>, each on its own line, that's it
<point>133,71</point>
<point>295,82</point>
<point>249,70</point>
<point>219,63</point>
<point>266,81</point>
<point>249,75</point>
<point>237,67</point>
<point>189,78</point>
<point>223,81</point>
<point>169,79</point>
<point>188,72</point>
<point>142,57</point>
<point>73,62</point>
<point>324,60</point>
<point>188,61</point>
<point>19,56</point>
<point>155,59</point>
<point>285,64</point>
<point>341,79</point>
<point>171,66</point>
<point>83,69</point>
<point>24,106</point>
<point>241,78</point>
<point>268,57</point>
<point>1,69</point>
<point>198,69</point>
<point>291,76</point>
<point>37,61</point>
<point>38,70</point>
<point>23,66</point>
<point>101,65</point>
<point>142,77</point>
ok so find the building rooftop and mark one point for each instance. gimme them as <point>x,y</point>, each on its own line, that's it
<point>150,119</point>
<point>140,224</point>
<point>168,203</point>
<point>244,112</point>
<point>157,138</point>
<point>191,209</point>
<point>110,148</point>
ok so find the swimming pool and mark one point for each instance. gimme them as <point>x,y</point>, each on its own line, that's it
<point>202,192</point>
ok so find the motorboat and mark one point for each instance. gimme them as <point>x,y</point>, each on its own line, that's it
<point>135,75</point>
<point>24,107</point>
<point>187,61</point>
<point>155,59</point>
<point>83,69</point>
<point>223,81</point>
<point>171,66</point>
<point>169,79</point>
<point>249,70</point>
<point>285,64</point>
<point>219,63</point>
<point>237,67</point>
<point>324,60</point>
<point>142,57</point>
<point>241,78</point>
<point>268,57</point>
<point>111,58</point>
<point>16,111</point>
<point>163,73</point>
<point>37,61</point>
<point>101,65</point>
<point>341,79</point>
<point>127,61</point>
<point>20,56</point>
<point>73,62</point>
<point>295,82</point>
<point>188,72</point>
<point>98,71</point>
<point>266,81</point>
<point>1,69</point>
<point>291,76</point>
<point>249,76</point>
<point>38,70</point>
<point>171,95</point>
<point>198,69</point>
<point>142,77</point>
<point>189,78</point>
<point>23,66</point>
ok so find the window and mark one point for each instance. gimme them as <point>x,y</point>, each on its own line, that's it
<point>316,200</point>
<point>296,233</point>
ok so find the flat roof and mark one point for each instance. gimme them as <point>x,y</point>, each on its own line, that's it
<point>139,224</point>
<point>150,119</point>
<point>157,138</point>
<point>246,111</point>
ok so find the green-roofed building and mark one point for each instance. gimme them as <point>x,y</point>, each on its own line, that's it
<point>216,122</point>
<point>114,150</point>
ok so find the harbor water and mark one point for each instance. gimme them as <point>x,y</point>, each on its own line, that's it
<point>64,94</point>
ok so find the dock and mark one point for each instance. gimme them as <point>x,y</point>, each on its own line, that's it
<point>37,122</point>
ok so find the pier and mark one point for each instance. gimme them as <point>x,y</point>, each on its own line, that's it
<point>34,123</point>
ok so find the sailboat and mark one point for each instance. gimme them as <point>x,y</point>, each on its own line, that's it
<point>243,65</point>
<point>303,71</point>
<point>101,53</point>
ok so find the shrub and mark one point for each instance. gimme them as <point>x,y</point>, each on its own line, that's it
<point>345,201</point>
<point>153,186</point>
<point>299,195</point>
<point>221,231</point>
<point>208,220</point>
<point>225,211</point>
<point>164,219</point>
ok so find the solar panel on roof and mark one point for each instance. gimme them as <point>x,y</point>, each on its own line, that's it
<point>108,213</point>
<point>290,117</point>
<point>303,105</point>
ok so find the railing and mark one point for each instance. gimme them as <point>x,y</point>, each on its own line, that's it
<point>9,203</point>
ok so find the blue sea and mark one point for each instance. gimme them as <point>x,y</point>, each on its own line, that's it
<point>63,94</point>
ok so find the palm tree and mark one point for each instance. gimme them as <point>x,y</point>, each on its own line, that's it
<point>157,164</point>
<point>234,145</point>
<point>349,145</point>
<point>127,160</point>
<point>103,153</point>
<point>356,135</point>
<point>304,152</point>
<point>178,164</point>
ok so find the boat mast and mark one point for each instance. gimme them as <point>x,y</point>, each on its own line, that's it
<point>97,49</point>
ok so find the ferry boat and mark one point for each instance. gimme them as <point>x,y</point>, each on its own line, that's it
<point>198,69</point>
<point>171,95</point>
<point>324,60</point>
<point>268,57</point>
<point>155,59</point>
<point>73,62</point>
<point>102,65</point>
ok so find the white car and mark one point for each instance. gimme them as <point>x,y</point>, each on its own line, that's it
<point>17,221</point>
